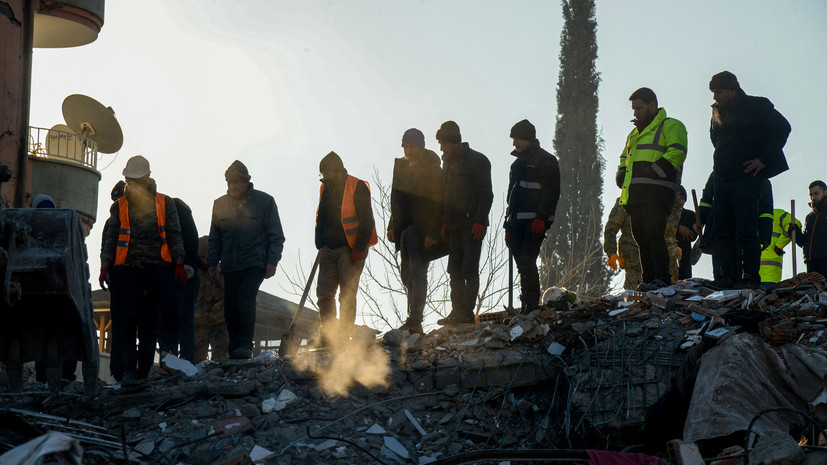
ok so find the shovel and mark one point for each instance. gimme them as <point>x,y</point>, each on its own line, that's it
<point>289,345</point>
<point>695,255</point>
<point>510,308</point>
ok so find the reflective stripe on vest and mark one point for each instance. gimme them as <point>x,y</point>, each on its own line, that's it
<point>125,231</point>
<point>350,221</point>
<point>648,153</point>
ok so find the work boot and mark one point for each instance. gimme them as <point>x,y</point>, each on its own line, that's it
<point>412,326</point>
<point>652,286</point>
<point>721,283</point>
<point>456,318</point>
<point>748,283</point>
<point>241,354</point>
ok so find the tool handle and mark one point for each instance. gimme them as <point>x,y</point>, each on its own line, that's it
<point>697,210</point>
<point>306,290</point>
<point>792,235</point>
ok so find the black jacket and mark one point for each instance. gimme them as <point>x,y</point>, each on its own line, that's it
<point>467,187</point>
<point>329,230</point>
<point>749,128</point>
<point>416,197</point>
<point>189,233</point>
<point>533,187</point>
<point>245,232</point>
<point>765,211</point>
<point>813,240</point>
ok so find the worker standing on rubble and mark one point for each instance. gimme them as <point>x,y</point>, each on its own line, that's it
<point>648,175</point>
<point>247,240</point>
<point>772,260</point>
<point>622,252</point>
<point>813,240</point>
<point>185,293</point>
<point>748,134</point>
<point>533,192</point>
<point>466,201</point>
<point>416,218</point>
<point>141,252</point>
<point>685,236</point>
<point>210,327</point>
<point>345,229</point>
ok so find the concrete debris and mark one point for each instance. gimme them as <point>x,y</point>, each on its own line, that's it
<point>569,375</point>
<point>179,364</point>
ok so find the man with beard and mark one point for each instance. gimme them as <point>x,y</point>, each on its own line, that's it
<point>648,174</point>
<point>142,252</point>
<point>533,192</point>
<point>814,237</point>
<point>416,217</point>
<point>344,232</point>
<point>247,240</point>
<point>748,134</point>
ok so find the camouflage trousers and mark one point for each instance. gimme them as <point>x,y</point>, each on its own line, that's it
<point>211,338</point>
<point>630,256</point>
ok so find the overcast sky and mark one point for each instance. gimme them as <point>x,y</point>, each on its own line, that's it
<point>278,84</point>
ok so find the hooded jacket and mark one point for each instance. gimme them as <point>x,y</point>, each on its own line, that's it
<point>416,197</point>
<point>245,232</point>
<point>144,238</point>
<point>749,128</point>
<point>468,194</point>
<point>533,187</point>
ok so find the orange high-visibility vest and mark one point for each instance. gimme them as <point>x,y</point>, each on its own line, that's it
<point>125,231</point>
<point>350,222</point>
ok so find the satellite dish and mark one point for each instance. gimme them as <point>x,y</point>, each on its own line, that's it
<point>88,117</point>
<point>62,141</point>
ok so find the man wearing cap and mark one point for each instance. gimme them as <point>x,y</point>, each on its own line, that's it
<point>344,232</point>
<point>533,192</point>
<point>142,253</point>
<point>649,174</point>
<point>748,134</point>
<point>247,240</point>
<point>467,198</point>
<point>416,219</point>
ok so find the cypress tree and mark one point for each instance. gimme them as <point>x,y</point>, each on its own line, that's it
<point>572,254</point>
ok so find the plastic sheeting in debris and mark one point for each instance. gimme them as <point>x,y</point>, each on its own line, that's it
<point>743,376</point>
<point>33,452</point>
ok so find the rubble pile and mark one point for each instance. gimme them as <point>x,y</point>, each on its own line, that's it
<point>570,375</point>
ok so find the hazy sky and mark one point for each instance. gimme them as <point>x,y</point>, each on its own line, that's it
<point>278,84</point>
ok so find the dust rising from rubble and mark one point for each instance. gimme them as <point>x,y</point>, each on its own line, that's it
<point>349,365</point>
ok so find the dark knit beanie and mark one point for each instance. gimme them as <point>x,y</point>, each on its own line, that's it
<point>413,136</point>
<point>523,130</point>
<point>449,132</point>
<point>117,191</point>
<point>724,81</point>
<point>237,172</point>
<point>331,162</point>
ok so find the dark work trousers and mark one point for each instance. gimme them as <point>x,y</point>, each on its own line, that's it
<point>337,271</point>
<point>817,266</point>
<point>185,295</point>
<point>648,228</point>
<point>464,269</point>
<point>525,246</point>
<point>213,339</point>
<point>735,218</point>
<point>413,269</point>
<point>147,335</point>
<point>240,290</point>
<point>128,286</point>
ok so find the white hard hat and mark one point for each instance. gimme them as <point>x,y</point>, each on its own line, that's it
<point>136,167</point>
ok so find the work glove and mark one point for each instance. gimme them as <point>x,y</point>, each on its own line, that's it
<point>180,273</point>
<point>778,251</point>
<point>103,278</point>
<point>679,252</point>
<point>621,262</point>
<point>478,231</point>
<point>444,231</point>
<point>357,255</point>
<point>793,227</point>
<point>538,226</point>
<point>620,176</point>
<point>613,259</point>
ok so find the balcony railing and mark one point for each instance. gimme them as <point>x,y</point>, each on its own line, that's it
<point>63,145</point>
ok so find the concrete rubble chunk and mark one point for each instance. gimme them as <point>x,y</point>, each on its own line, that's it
<point>376,429</point>
<point>396,447</point>
<point>776,448</point>
<point>259,454</point>
<point>179,364</point>
<point>415,422</point>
